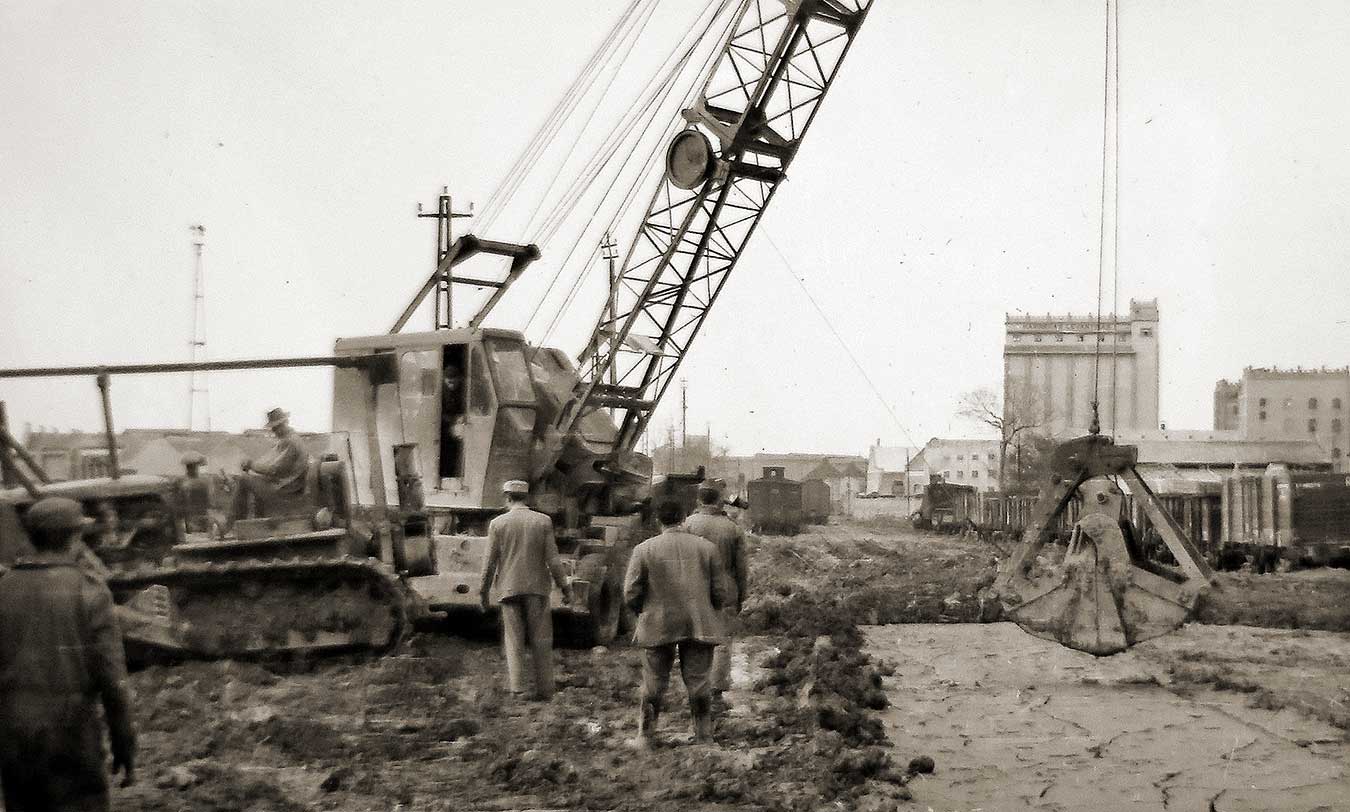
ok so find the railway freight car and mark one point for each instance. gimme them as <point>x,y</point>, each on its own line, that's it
<point>815,501</point>
<point>1299,516</point>
<point>946,507</point>
<point>775,503</point>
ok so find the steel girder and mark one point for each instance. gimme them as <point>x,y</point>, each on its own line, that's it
<point>755,107</point>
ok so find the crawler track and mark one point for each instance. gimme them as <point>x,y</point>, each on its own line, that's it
<point>256,608</point>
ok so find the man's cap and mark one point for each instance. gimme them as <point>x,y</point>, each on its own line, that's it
<point>708,486</point>
<point>515,486</point>
<point>56,513</point>
<point>276,417</point>
<point>194,458</point>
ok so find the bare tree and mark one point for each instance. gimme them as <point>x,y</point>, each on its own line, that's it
<point>1017,414</point>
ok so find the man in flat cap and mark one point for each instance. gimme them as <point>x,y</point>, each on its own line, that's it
<point>711,522</point>
<point>281,472</point>
<point>521,559</point>
<point>60,658</point>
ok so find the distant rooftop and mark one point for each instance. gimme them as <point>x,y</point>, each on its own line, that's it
<point>1146,310</point>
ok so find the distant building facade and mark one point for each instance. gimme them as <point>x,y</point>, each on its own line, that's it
<point>887,467</point>
<point>1289,404</point>
<point>971,462</point>
<point>1050,364</point>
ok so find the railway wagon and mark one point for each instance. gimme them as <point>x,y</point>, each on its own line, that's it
<point>946,507</point>
<point>815,501</point>
<point>1299,516</point>
<point>775,503</point>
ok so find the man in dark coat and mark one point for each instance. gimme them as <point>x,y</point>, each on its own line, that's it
<point>60,659</point>
<point>712,523</point>
<point>675,584</point>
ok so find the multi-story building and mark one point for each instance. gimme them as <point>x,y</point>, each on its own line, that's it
<point>1289,404</point>
<point>1054,367</point>
<point>964,461</point>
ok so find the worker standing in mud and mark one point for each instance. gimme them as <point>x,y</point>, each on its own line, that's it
<point>280,473</point>
<point>712,523</point>
<point>521,558</point>
<point>60,658</point>
<point>675,585</point>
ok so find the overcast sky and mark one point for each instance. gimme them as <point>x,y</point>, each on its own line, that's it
<point>952,175</point>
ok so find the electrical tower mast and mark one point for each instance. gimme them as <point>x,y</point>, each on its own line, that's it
<point>198,386</point>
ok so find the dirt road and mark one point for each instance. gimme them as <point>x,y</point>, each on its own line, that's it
<point>1017,723</point>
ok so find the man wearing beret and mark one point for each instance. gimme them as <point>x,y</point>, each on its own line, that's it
<point>521,559</point>
<point>60,659</point>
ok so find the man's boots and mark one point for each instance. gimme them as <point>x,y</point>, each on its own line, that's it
<point>700,707</point>
<point>651,711</point>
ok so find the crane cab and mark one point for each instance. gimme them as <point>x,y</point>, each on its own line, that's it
<point>467,410</point>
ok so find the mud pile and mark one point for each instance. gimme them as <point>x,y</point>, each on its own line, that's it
<point>1303,599</point>
<point>432,728</point>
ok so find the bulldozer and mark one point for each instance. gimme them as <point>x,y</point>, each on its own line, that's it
<point>306,580</point>
<point>1099,593</point>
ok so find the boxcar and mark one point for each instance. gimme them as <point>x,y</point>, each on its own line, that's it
<point>1302,516</point>
<point>815,501</point>
<point>947,507</point>
<point>775,503</point>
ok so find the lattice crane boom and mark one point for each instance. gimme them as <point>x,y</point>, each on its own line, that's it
<point>745,127</point>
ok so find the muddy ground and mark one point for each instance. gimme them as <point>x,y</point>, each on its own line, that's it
<point>808,725</point>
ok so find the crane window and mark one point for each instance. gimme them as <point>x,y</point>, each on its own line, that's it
<point>454,404</point>
<point>512,373</point>
<point>480,386</point>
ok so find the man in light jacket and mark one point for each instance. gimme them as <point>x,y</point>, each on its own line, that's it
<point>675,584</point>
<point>521,558</point>
<point>713,524</point>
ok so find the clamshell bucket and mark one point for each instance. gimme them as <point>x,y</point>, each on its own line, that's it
<point>1101,597</point>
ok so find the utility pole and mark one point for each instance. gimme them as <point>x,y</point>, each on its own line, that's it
<point>197,381</point>
<point>443,315</point>
<point>609,251</point>
<point>684,412</point>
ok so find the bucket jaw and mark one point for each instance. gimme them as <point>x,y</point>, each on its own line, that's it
<point>1101,597</point>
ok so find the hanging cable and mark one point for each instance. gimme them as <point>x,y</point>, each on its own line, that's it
<point>634,33</point>
<point>649,162</point>
<point>656,91</point>
<point>1095,426</point>
<point>1115,221</point>
<point>787,266</point>
<point>519,168</point>
<point>654,103</point>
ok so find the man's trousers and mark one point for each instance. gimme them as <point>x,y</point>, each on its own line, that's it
<point>695,665</point>
<point>527,623</point>
<point>721,661</point>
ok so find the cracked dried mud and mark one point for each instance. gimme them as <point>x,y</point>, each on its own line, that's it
<point>1017,723</point>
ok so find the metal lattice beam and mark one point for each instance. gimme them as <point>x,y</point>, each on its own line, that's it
<point>755,106</point>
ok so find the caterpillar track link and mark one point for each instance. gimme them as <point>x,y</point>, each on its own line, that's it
<point>260,609</point>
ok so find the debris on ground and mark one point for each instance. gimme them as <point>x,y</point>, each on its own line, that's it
<point>432,727</point>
